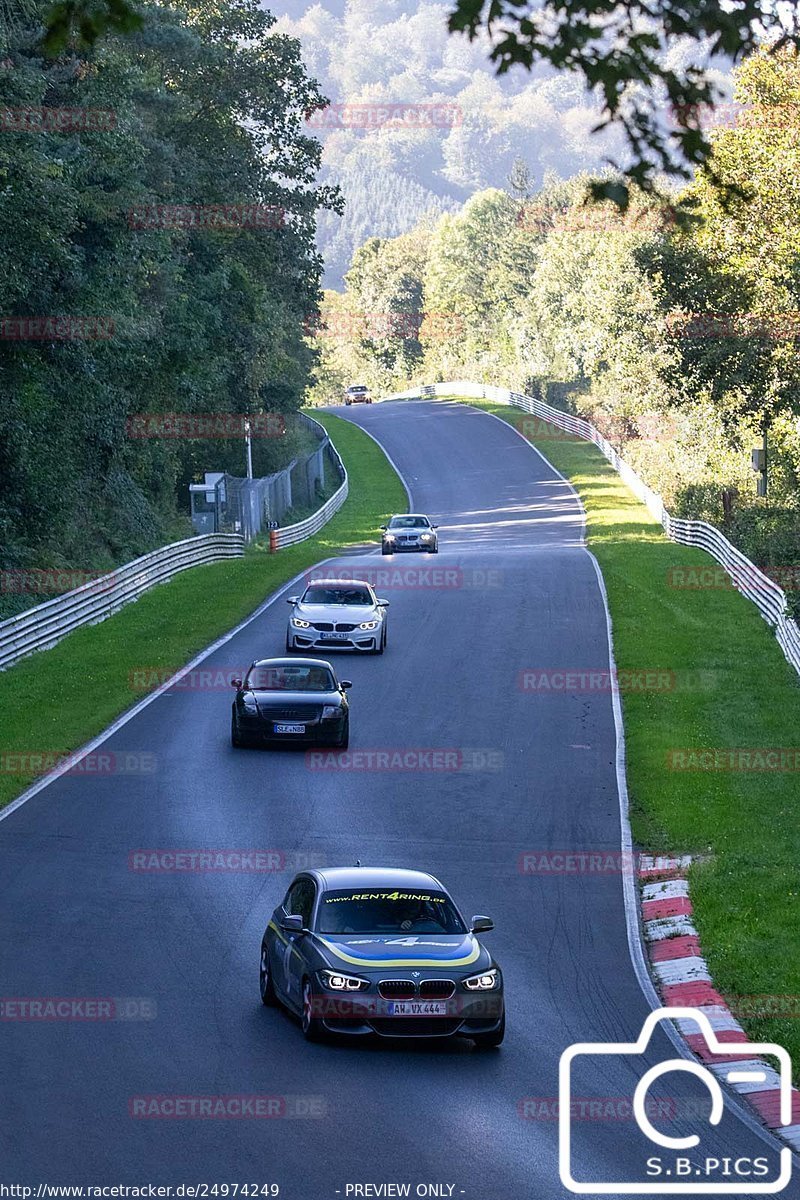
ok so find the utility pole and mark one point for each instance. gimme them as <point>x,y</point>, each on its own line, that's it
<point>248,441</point>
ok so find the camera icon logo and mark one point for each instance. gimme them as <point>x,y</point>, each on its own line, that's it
<point>740,1071</point>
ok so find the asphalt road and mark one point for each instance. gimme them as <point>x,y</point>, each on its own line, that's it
<point>537,774</point>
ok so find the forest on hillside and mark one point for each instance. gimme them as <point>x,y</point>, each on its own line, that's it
<point>679,342</point>
<point>395,171</point>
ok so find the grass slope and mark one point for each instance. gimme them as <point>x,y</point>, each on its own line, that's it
<point>55,701</point>
<point>733,689</point>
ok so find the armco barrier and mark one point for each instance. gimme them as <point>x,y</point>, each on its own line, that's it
<point>745,575</point>
<point>289,534</point>
<point>41,627</point>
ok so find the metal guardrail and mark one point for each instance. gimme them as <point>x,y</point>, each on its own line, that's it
<point>745,576</point>
<point>41,627</point>
<point>290,534</point>
<point>45,625</point>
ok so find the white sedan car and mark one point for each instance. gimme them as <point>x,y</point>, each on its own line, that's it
<point>337,613</point>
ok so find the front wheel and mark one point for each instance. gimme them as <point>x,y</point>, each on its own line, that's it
<point>344,740</point>
<point>289,645</point>
<point>487,1041</point>
<point>384,550</point>
<point>379,649</point>
<point>268,996</point>
<point>313,1029</point>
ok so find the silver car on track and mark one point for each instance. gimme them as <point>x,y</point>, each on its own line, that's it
<point>341,614</point>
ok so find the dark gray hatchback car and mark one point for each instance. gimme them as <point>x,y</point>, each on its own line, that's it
<point>371,950</point>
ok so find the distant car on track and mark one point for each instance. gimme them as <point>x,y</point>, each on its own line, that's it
<point>409,531</point>
<point>358,393</point>
<point>290,700</point>
<point>344,614</point>
<point>363,950</point>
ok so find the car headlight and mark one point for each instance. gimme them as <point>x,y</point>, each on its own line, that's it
<point>485,982</point>
<point>388,537</point>
<point>426,537</point>
<point>249,702</point>
<point>330,710</point>
<point>336,982</point>
<point>299,623</point>
<point>369,625</point>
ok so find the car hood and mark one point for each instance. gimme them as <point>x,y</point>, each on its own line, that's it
<point>291,699</point>
<point>399,950</point>
<point>335,612</point>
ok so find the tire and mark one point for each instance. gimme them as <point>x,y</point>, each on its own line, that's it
<point>433,550</point>
<point>289,646</point>
<point>313,1029</point>
<point>347,403</point>
<point>344,740</point>
<point>265,987</point>
<point>385,551</point>
<point>380,649</point>
<point>487,1041</point>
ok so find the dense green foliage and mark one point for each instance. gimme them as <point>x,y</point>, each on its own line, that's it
<point>679,343</point>
<point>207,108</point>
<point>457,127</point>
<point>622,51</point>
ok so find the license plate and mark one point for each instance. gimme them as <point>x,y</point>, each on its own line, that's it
<point>334,637</point>
<point>418,1008</point>
<point>289,728</point>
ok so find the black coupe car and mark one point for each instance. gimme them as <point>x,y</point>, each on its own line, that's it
<point>361,950</point>
<point>290,700</point>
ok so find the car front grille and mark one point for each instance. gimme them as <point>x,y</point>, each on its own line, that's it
<point>437,989</point>
<point>292,714</point>
<point>345,628</point>
<point>397,989</point>
<point>415,1026</point>
<point>322,626</point>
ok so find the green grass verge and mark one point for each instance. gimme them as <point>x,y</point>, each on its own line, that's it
<point>732,689</point>
<point>56,700</point>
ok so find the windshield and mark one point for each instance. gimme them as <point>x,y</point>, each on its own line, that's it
<point>408,523</point>
<point>374,911</point>
<point>331,594</point>
<point>290,678</point>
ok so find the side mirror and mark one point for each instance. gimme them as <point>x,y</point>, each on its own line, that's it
<point>383,527</point>
<point>383,603</point>
<point>292,599</point>
<point>434,526</point>
<point>344,684</point>
<point>292,924</point>
<point>237,683</point>
<point>482,925</point>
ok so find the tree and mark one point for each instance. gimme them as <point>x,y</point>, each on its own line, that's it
<point>621,50</point>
